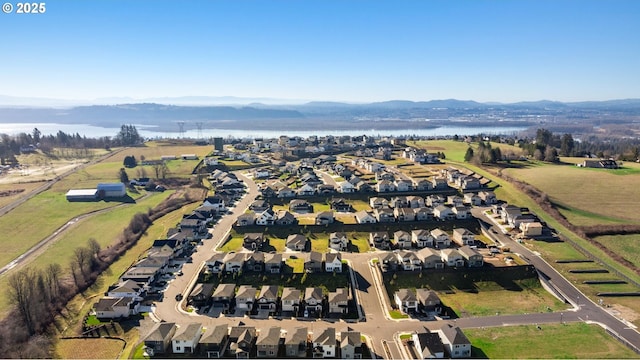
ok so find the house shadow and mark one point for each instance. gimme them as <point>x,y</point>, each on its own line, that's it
<point>363,284</point>
<point>477,353</point>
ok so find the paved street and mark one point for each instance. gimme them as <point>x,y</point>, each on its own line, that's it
<point>371,294</point>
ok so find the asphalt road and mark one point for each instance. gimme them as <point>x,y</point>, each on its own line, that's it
<point>377,325</point>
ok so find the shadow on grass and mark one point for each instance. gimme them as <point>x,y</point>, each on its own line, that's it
<point>477,353</point>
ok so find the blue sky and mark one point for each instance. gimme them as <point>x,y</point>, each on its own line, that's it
<point>347,50</point>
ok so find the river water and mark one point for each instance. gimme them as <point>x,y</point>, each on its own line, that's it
<point>149,132</point>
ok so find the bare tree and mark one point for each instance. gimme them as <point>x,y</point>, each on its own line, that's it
<point>22,295</point>
<point>82,260</point>
<point>54,271</point>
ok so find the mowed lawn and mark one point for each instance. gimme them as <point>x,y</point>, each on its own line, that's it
<point>552,341</point>
<point>590,196</point>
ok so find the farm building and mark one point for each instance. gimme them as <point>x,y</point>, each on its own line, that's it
<point>168,157</point>
<point>189,157</point>
<point>109,190</point>
<point>82,194</point>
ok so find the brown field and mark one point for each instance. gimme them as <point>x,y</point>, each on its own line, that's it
<point>90,348</point>
<point>12,192</point>
<point>589,197</point>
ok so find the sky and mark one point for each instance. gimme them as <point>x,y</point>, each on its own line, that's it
<point>346,50</point>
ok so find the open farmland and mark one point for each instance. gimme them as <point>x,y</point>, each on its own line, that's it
<point>586,196</point>
<point>555,341</point>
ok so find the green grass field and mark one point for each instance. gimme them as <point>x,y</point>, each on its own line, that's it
<point>629,245</point>
<point>105,228</point>
<point>491,298</point>
<point>587,194</point>
<point>554,341</point>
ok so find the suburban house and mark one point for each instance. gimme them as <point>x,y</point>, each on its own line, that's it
<point>346,187</point>
<point>399,202</point>
<point>340,205</point>
<point>455,200</point>
<point>283,217</point>
<point>439,183</point>
<point>272,263</point>
<point>441,238</point>
<point>127,288</point>
<point>489,197</point>
<point>324,344</point>
<point>253,241</point>
<point>296,342</point>
<point>384,215</point>
<point>409,260</point>
<point>234,262</point>
<point>246,219</point>
<point>428,345</point>
<point>423,213</point>
<point>259,206</point>
<point>241,341</point>
<point>402,239</point>
<point>452,257</point>
<point>286,192</point>
<point>443,212</point>
<point>389,262</point>
<point>296,242</point>
<point>214,341</point>
<point>313,262</point>
<point>462,236</point>
<point>338,301</point>
<point>461,212</point>
<point>265,218</point>
<point>531,229</point>
<point>215,202</point>
<point>186,338</point>
<point>428,301</point>
<point>246,297</point>
<point>159,339</point>
<point>472,257</point>
<point>300,206</point>
<point>333,262</point>
<point>435,200</point>
<point>338,241</point>
<point>290,299</point>
<point>431,258</point>
<point>313,300</point>
<point>200,294</point>
<point>350,345</point>
<point>403,185</point>
<point>415,202</point>
<point>405,300</point>
<point>455,341</point>
<point>472,199</point>
<point>404,214</point>
<point>421,238</point>
<point>324,218</point>
<point>378,202</point>
<point>268,342</point>
<point>422,185</point>
<point>364,217</point>
<point>385,186</point>
<point>113,308</point>
<point>223,296</point>
<point>380,240</point>
<point>306,190</point>
<point>268,298</point>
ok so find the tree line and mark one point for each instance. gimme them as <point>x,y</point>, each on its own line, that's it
<point>11,146</point>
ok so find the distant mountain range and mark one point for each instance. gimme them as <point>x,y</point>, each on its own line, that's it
<point>275,114</point>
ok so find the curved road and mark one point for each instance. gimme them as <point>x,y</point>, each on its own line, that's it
<point>373,298</point>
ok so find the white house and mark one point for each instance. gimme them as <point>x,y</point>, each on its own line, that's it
<point>455,341</point>
<point>333,262</point>
<point>346,187</point>
<point>405,300</point>
<point>324,343</point>
<point>186,338</point>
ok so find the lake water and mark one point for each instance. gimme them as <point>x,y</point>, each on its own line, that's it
<point>149,132</point>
